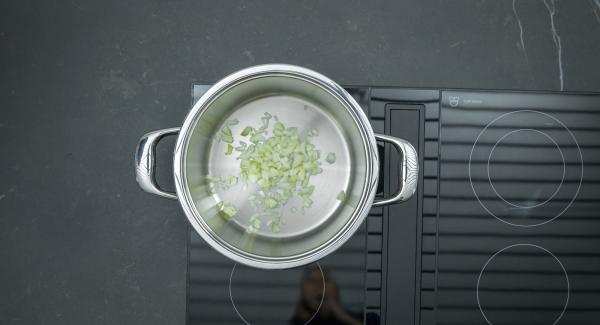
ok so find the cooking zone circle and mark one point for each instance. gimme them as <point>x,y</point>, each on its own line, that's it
<point>505,171</point>
<point>528,205</point>
<point>247,297</point>
<point>525,282</point>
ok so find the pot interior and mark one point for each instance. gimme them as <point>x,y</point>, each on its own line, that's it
<point>322,120</point>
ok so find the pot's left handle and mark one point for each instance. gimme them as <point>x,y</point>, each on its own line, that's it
<point>145,164</point>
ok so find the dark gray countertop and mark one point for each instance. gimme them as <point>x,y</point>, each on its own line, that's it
<point>81,81</point>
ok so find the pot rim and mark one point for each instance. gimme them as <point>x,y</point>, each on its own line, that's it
<point>343,234</point>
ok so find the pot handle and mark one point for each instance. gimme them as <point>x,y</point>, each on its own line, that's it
<point>145,164</point>
<point>409,170</point>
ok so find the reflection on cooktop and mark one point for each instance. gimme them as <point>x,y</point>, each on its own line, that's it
<point>312,289</point>
<point>520,173</point>
<point>222,292</point>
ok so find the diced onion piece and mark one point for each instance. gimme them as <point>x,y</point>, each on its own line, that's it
<point>246,131</point>
<point>306,202</point>
<point>232,180</point>
<point>330,158</point>
<point>229,210</point>
<point>275,227</point>
<point>280,163</point>
<point>227,138</point>
<point>270,202</point>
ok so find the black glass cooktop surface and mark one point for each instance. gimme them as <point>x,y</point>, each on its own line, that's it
<point>518,229</point>
<point>504,228</point>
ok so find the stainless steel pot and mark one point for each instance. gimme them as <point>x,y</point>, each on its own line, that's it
<point>301,98</point>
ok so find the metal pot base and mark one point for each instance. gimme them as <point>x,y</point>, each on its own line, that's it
<point>335,177</point>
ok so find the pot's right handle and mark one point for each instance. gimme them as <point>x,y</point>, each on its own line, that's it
<point>410,170</point>
<point>145,164</point>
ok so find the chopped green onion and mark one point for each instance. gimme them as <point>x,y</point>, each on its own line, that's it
<point>229,210</point>
<point>270,202</point>
<point>226,130</point>
<point>217,184</point>
<point>227,138</point>
<point>241,147</point>
<point>265,121</point>
<point>254,225</point>
<point>275,228</point>
<point>246,131</point>
<point>330,158</point>
<point>306,203</point>
<point>306,191</point>
<point>280,163</point>
<point>213,179</point>
<point>341,196</point>
<point>232,180</point>
<point>225,134</point>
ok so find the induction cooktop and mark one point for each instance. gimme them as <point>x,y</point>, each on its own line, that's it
<point>504,229</point>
